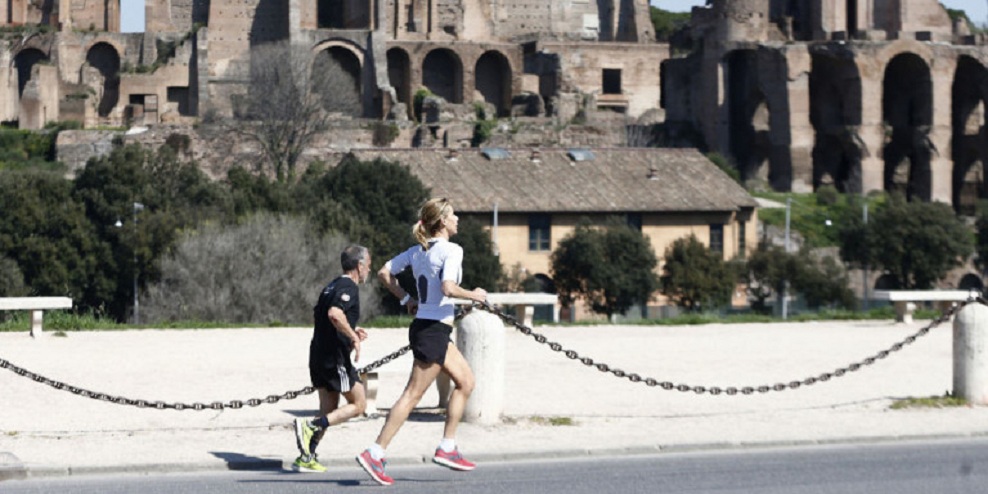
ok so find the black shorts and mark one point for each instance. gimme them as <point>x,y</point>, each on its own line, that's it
<point>429,340</point>
<point>332,372</point>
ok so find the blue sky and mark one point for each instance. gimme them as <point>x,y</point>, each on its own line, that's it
<point>132,11</point>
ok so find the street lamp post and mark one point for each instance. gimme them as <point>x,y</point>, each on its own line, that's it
<point>137,308</point>
<point>785,282</point>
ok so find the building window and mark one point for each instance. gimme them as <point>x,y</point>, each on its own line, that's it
<point>635,221</point>
<point>538,231</point>
<point>717,239</point>
<point>612,81</point>
<point>742,246</point>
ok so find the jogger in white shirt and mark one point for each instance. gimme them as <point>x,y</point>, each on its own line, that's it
<point>437,265</point>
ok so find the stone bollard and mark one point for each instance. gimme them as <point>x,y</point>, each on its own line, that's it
<point>480,337</point>
<point>971,354</point>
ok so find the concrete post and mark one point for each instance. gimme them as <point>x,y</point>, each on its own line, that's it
<point>480,337</point>
<point>971,354</point>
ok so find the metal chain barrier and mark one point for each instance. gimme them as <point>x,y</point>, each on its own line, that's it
<point>556,347</point>
<point>731,390</point>
<point>160,405</point>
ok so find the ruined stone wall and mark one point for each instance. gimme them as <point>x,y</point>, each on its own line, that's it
<point>523,17</point>
<point>235,26</point>
<point>20,12</point>
<point>175,15</point>
<point>582,67</point>
<point>98,15</point>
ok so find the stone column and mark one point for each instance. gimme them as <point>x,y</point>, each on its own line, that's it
<point>971,354</point>
<point>801,132</point>
<point>872,131</point>
<point>480,337</point>
<point>942,70</point>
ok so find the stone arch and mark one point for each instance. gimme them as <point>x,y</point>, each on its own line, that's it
<point>338,68</point>
<point>493,80</point>
<point>25,61</point>
<point>400,76</point>
<point>835,113</point>
<point>748,115</point>
<point>971,281</point>
<point>106,59</point>
<point>907,113</point>
<point>969,134</point>
<point>442,73</point>
<point>887,282</point>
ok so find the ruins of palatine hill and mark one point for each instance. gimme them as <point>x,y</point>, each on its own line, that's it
<point>859,94</point>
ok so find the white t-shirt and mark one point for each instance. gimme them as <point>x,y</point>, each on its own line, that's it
<point>442,262</point>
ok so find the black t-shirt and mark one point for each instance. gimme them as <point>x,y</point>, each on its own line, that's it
<point>344,294</point>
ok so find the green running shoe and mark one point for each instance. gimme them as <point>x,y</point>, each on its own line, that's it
<point>308,464</point>
<point>303,436</point>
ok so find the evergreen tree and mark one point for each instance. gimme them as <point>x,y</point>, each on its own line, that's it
<point>916,243</point>
<point>611,269</point>
<point>694,277</point>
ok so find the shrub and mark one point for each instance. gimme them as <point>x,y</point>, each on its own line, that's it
<point>267,270</point>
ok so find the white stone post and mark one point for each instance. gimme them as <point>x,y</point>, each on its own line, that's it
<point>480,337</point>
<point>971,354</point>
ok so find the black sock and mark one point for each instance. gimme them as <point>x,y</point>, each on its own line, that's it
<point>321,422</point>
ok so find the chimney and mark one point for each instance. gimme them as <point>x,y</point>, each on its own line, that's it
<point>453,155</point>
<point>536,156</point>
<point>653,174</point>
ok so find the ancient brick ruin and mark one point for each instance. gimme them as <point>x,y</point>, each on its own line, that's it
<point>861,94</point>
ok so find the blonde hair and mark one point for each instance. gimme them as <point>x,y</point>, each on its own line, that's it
<point>431,216</point>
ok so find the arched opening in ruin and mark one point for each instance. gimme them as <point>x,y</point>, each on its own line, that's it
<point>104,58</point>
<point>969,135</point>
<point>748,117</point>
<point>971,281</point>
<point>886,282</point>
<point>907,113</point>
<point>627,28</point>
<point>24,62</point>
<point>270,23</point>
<point>343,14</point>
<point>493,81</point>
<point>442,73</point>
<point>337,72</point>
<point>835,113</point>
<point>605,20</point>
<point>399,76</point>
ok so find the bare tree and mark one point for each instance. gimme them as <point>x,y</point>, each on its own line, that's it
<point>286,104</point>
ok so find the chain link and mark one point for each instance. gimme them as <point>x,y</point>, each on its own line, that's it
<point>160,405</point>
<point>730,390</point>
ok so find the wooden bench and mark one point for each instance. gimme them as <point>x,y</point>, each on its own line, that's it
<point>524,304</point>
<point>905,300</point>
<point>36,305</point>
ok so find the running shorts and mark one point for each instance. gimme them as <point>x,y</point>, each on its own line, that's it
<point>429,340</point>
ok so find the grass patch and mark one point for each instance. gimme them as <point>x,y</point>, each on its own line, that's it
<point>388,322</point>
<point>552,421</point>
<point>945,401</point>
<point>62,321</point>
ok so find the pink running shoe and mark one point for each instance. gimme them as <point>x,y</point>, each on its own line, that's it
<point>374,468</point>
<point>453,460</point>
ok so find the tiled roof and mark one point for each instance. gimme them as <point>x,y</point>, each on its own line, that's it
<point>562,180</point>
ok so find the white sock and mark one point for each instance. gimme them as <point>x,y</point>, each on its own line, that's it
<point>376,451</point>
<point>447,445</point>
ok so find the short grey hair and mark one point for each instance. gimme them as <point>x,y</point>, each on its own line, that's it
<point>352,256</point>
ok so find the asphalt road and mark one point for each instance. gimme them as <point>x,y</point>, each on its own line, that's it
<point>942,467</point>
